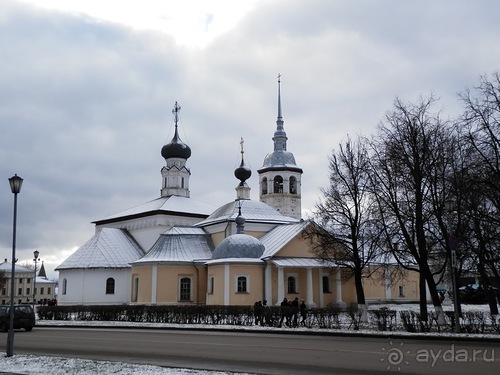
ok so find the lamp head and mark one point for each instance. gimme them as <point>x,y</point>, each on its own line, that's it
<point>36,253</point>
<point>15,184</point>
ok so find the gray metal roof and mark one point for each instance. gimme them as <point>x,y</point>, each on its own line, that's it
<point>180,244</point>
<point>301,262</point>
<point>280,158</point>
<point>169,204</point>
<point>108,248</point>
<point>279,236</point>
<point>239,246</point>
<point>252,211</point>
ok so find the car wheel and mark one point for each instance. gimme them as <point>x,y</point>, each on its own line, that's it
<point>3,327</point>
<point>29,329</point>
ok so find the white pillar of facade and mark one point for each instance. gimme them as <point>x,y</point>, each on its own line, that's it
<point>268,292</point>
<point>321,291</point>
<point>338,285</point>
<point>154,283</point>
<point>309,288</point>
<point>227,284</point>
<point>281,285</point>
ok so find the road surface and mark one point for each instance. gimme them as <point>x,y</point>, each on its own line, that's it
<point>262,353</point>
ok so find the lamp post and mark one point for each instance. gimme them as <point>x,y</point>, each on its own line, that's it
<point>15,185</point>
<point>452,243</point>
<point>36,253</point>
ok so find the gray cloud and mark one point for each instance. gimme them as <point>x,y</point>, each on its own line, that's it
<point>85,105</point>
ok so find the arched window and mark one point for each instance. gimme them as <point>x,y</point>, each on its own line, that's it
<point>292,284</point>
<point>65,286</point>
<point>185,289</point>
<point>278,185</point>
<point>264,186</point>
<point>242,286</point>
<point>110,286</point>
<point>293,185</point>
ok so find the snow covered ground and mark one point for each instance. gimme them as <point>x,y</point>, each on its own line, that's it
<point>31,365</point>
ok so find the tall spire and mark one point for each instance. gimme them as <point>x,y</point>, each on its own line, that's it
<point>280,117</point>
<point>280,137</point>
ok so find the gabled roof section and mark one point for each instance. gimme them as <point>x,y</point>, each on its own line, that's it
<point>252,211</point>
<point>108,248</point>
<point>180,244</point>
<point>173,204</point>
<point>277,238</point>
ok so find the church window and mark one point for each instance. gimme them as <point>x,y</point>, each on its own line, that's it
<point>110,286</point>
<point>293,185</point>
<point>211,282</point>
<point>264,186</point>
<point>65,286</point>
<point>326,284</point>
<point>292,284</point>
<point>135,289</point>
<point>401,290</point>
<point>278,185</point>
<point>185,289</point>
<point>49,291</point>
<point>242,284</point>
<point>42,290</point>
<point>182,182</point>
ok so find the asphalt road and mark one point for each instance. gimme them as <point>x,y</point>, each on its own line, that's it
<point>262,353</point>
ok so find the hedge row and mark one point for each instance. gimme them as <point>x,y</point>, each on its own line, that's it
<point>325,318</point>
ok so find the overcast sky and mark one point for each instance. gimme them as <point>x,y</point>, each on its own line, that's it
<point>87,89</point>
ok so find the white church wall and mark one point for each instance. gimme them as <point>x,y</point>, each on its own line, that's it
<point>88,286</point>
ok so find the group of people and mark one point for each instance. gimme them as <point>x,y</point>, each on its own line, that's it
<point>289,313</point>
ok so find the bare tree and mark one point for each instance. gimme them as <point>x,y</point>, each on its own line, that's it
<point>3,278</point>
<point>409,163</point>
<point>481,123</point>
<point>344,233</point>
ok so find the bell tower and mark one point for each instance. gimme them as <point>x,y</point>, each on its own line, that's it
<point>280,177</point>
<point>175,175</point>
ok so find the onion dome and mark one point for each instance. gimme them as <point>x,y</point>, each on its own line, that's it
<point>176,148</point>
<point>242,173</point>
<point>239,246</point>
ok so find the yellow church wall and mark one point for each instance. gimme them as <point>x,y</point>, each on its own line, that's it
<point>216,296</point>
<point>297,247</point>
<point>254,274</point>
<point>144,287</point>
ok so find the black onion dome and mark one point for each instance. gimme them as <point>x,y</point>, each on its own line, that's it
<point>176,148</point>
<point>242,173</point>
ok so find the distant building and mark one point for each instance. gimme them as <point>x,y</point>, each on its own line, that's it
<point>176,250</point>
<point>23,285</point>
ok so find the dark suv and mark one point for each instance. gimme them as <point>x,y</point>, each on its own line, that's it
<point>24,317</point>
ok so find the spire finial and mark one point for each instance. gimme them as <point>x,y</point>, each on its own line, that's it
<point>279,98</point>
<point>241,145</point>
<point>176,111</point>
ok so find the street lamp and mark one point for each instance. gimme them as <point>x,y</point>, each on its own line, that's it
<point>36,253</point>
<point>452,243</point>
<point>15,185</point>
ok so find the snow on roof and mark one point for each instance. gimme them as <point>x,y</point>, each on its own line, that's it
<point>7,267</point>
<point>300,262</point>
<point>180,244</point>
<point>168,204</point>
<point>278,237</point>
<point>252,211</point>
<point>234,260</point>
<point>108,248</point>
